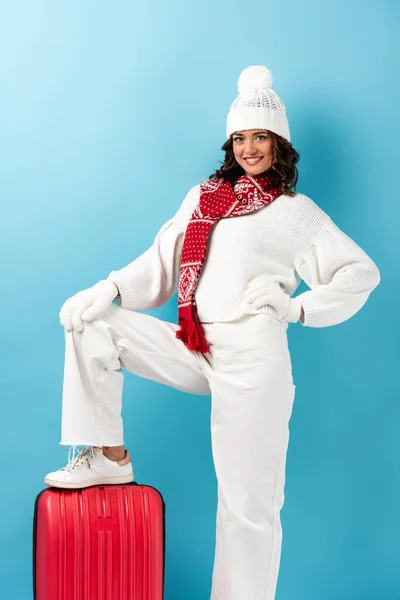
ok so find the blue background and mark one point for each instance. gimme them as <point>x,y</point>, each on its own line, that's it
<point>110,112</point>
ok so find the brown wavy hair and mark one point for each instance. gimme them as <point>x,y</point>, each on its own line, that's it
<point>284,159</point>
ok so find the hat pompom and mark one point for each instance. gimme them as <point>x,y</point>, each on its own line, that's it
<point>256,77</point>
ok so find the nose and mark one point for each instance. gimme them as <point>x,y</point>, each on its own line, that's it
<point>249,147</point>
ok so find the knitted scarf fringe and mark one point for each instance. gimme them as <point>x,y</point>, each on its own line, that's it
<point>192,335</point>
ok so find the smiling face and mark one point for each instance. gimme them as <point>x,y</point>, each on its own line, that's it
<point>256,144</point>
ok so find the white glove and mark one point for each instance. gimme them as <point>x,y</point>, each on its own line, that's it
<point>87,304</point>
<point>261,291</point>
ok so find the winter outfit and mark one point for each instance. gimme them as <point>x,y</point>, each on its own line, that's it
<point>234,278</point>
<point>217,200</point>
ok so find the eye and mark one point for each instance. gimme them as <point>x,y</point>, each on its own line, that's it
<point>238,138</point>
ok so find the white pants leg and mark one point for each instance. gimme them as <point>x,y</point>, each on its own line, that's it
<point>93,380</point>
<point>252,396</point>
<point>248,375</point>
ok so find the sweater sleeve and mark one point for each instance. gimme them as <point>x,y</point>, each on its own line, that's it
<point>152,278</point>
<point>340,276</point>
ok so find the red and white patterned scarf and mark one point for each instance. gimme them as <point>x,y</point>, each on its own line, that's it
<point>218,200</point>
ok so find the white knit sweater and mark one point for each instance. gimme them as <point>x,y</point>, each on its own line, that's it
<point>291,239</point>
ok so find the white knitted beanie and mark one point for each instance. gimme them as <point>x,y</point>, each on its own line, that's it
<point>257,106</point>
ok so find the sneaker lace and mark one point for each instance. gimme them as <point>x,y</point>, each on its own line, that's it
<point>76,461</point>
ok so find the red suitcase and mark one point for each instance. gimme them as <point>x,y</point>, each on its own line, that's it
<point>99,543</point>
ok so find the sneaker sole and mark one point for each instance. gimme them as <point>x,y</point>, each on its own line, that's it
<point>83,484</point>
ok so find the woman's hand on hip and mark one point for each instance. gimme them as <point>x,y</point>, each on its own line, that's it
<point>261,291</point>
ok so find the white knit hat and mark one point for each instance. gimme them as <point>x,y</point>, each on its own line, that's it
<point>257,105</point>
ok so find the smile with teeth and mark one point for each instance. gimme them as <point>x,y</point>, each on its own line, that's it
<point>253,161</point>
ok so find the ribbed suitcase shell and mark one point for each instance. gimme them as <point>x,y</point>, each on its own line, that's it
<point>99,543</point>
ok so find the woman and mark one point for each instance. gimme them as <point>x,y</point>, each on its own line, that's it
<point>236,250</point>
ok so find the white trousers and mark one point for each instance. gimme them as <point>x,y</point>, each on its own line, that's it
<point>248,375</point>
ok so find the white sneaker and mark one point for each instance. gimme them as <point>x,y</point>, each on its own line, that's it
<point>91,467</point>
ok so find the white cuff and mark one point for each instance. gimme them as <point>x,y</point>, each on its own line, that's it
<point>125,299</point>
<point>294,310</point>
